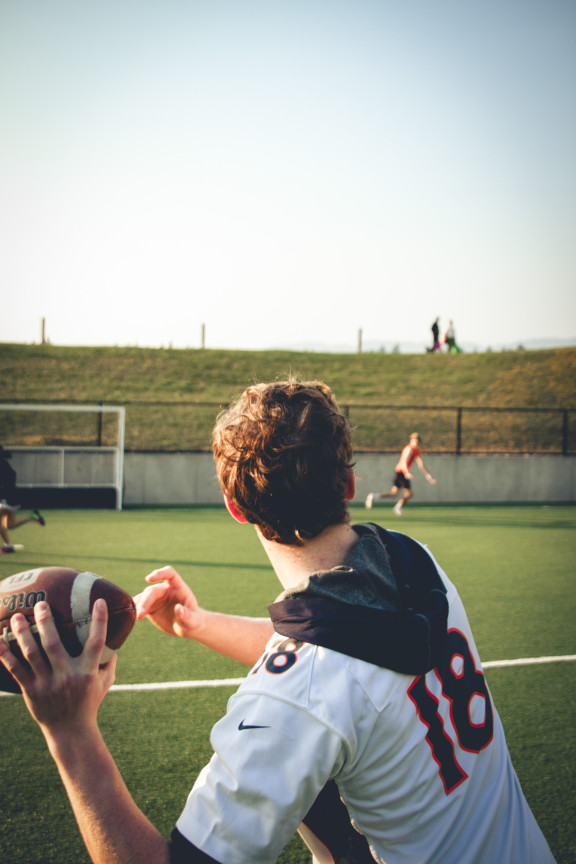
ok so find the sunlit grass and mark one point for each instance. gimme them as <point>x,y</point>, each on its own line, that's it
<point>513,567</point>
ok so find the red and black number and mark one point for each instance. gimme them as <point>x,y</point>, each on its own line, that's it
<point>461,684</point>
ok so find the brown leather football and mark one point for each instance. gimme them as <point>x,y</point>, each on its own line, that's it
<point>71,595</point>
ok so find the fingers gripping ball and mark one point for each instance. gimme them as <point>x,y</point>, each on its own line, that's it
<point>71,594</point>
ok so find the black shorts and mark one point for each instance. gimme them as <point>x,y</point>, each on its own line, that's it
<point>401,481</point>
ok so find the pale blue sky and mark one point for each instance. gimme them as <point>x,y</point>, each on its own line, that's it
<point>287,171</point>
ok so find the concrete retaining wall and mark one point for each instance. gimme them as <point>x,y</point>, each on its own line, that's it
<point>170,478</point>
<point>494,478</point>
<point>164,479</point>
<point>189,478</point>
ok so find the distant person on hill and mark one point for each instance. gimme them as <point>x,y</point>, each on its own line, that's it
<point>8,503</point>
<point>365,722</point>
<point>450,340</point>
<point>411,453</point>
<point>435,336</point>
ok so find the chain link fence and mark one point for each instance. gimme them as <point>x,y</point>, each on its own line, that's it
<point>464,429</point>
<point>187,426</point>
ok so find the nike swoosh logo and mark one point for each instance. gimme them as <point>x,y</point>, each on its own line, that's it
<point>243,726</point>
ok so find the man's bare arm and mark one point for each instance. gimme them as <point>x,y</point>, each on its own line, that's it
<point>420,463</point>
<point>63,695</point>
<point>172,607</point>
<point>114,830</point>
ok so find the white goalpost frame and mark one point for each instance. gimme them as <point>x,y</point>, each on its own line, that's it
<point>90,409</point>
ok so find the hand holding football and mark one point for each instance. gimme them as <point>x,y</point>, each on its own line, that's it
<point>71,594</point>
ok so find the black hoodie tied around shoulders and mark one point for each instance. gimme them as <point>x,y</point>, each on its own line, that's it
<point>385,604</point>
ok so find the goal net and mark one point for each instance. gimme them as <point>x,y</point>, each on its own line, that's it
<point>72,447</point>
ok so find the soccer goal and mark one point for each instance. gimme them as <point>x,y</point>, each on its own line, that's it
<point>66,447</point>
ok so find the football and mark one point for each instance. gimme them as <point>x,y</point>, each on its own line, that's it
<point>71,595</point>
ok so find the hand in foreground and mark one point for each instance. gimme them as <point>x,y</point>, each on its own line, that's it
<point>169,603</point>
<point>60,691</point>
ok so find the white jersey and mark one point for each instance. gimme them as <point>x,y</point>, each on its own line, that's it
<point>420,761</point>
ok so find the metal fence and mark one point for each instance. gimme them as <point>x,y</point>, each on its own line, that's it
<point>187,426</point>
<point>464,429</point>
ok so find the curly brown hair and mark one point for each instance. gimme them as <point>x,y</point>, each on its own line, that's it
<point>283,456</point>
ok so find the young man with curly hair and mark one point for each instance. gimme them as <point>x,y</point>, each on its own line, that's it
<point>365,721</point>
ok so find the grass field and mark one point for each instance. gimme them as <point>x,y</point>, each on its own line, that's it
<point>542,378</point>
<point>514,567</point>
<point>139,378</point>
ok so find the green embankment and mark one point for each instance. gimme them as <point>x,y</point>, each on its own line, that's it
<point>45,373</point>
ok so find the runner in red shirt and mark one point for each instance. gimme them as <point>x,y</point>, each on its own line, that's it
<point>411,453</point>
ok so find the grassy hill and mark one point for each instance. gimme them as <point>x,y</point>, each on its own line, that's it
<point>124,376</point>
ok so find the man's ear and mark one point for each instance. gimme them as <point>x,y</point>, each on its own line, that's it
<point>351,485</point>
<point>234,512</point>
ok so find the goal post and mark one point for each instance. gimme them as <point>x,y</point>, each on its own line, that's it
<point>66,446</point>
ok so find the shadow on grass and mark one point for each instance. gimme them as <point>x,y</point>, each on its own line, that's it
<point>174,562</point>
<point>461,518</point>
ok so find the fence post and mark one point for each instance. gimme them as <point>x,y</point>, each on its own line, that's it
<point>458,431</point>
<point>565,432</point>
<point>99,437</point>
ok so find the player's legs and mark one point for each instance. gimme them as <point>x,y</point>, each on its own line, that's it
<point>391,494</point>
<point>7,544</point>
<point>373,497</point>
<point>8,522</point>
<point>35,516</point>
<point>16,523</point>
<point>400,504</point>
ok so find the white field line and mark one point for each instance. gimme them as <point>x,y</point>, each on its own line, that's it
<point>235,682</point>
<point>528,661</point>
<point>227,682</point>
<point>179,685</point>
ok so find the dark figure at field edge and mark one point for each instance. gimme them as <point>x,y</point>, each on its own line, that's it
<point>435,336</point>
<point>8,503</point>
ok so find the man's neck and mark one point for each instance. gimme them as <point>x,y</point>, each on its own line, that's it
<point>294,564</point>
